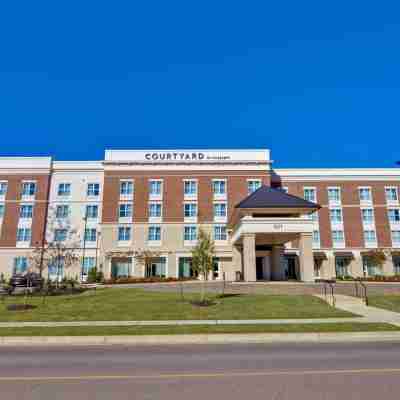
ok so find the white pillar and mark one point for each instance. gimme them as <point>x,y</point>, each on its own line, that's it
<point>249,257</point>
<point>306,259</point>
<point>237,262</point>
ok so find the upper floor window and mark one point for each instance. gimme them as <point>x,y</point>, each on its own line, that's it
<point>190,188</point>
<point>220,232</point>
<point>62,211</point>
<point>124,234</point>
<point>365,194</point>
<point>219,187</point>
<point>367,215</point>
<point>26,211</point>
<point>92,211</point>
<point>220,210</point>
<point>20,265</point>
<point>190,210</point>
<point>391,194</point>
<point>394,215</point>
<point>253,185</point>
<point>1,210</point>
<point>93,189</point>
<point>316,238</point>
<point>310,194</point>
<point>64,189</point>
<point>370,237</point>
<point>334,194</point>
<point>126,188</point>
<point>24,234</point>
<point>28,188</point>
<point>60,235</point>
<point>337,237</point>
<point>155,210</point>
<point>154,233</point>
<point>90,234</point>
<point>336,215</point>
<point>3,188</point>
<point>125,210</point>
<point>155,187</point>
<point>190,233</point>
<point>396,237</point>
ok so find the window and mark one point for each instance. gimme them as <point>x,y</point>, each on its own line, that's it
<point>24,234</point>
<point>190,210</point>
<point>316,238</point>
<point>64,189</point>
<point>396,265</point>
<point>336,215</point>
<point>341,266</point>
<point>62,211</point>
<point>155,187</point>
<point>60,235</point>
<point>310,194</point>
<point>220,232</point>
<point>220,210</point>
<point>26,211</point>
<point>219,187</point>
<point>28,188</point>
<point>394,215</point>
<point>154,233</point>
<point>92,211</point>
<point>313,216</point>
<point>20,265</point>
<point>93,189</point>
<point>391,194</point>
<point>253,185</point>
<point>124,234</point>
<point>396,238</point>
<point>90,234</point>
<point>125,210</point>
<point>367,215</point>
<point>190,233</point>
<point>190,188</point>
<point>370,268</point>
<point>3,188</point>
<point>88,263</point>
<point>155,210</point>
<point>334,194</point>
<point>370,237</point>
<point>126,188</point>
<point>1,210</point>
<point>337,238</point>
<point>365,194</point>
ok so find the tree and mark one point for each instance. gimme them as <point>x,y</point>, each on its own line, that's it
<point>202,259</point>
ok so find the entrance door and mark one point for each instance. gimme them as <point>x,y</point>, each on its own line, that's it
<point>259,268</point>
<point>291,268</point>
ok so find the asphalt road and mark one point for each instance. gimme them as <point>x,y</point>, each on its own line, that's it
<point>351,371</point>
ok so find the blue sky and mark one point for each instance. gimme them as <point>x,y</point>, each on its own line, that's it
<point>316,82</point>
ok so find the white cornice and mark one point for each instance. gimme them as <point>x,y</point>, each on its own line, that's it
<point>84,166</point>
<point>25,165</point>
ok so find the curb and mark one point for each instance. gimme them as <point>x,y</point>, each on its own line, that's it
<point>270,338</point>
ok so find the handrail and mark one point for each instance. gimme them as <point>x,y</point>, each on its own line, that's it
<point>363,291</point>
<point>331,284</point>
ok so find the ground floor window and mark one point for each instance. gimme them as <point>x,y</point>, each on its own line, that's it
<point>370,268</point>
<point>157,268</point>
<point>216,268</point>
<point>186,269</point>
<point>88,263</point>
<point>56,270</point>
<point>121,268</point>
<point>396,265</point>
<point>20,265</point>
<point>317,267</point>
<point>342,266</point>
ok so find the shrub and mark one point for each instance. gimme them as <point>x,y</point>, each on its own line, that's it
<point>143,280</point>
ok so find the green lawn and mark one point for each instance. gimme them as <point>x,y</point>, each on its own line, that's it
<point>388,302</point>
<point>137,304</point>
<point>171,330</point>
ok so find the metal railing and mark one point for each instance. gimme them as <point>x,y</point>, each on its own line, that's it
<point>328,289</point>
<point>361,290</point>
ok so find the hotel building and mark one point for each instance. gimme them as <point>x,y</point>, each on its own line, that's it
<point>266,223</point>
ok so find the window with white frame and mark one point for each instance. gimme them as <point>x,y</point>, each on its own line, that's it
<point>92,211</point>
<point>219,187</point>
<point>336,215</point>
<point>220,232</point>
<point>365,194</point>
<point>154,234</point>
<point>90,234</point>
<point>24,234</point>
<point>313,216</point>
<point>190,210</point>
<point>337,238</point>
<point>64,189</point>
<point>396,238</point>
<point>1,210</point>
<point>88,263</point>
<point>124,234</point>
<point>253,185</point>
<point>190,188</point>
<point>391,194</point>
<point>126,188</point>
<point>220,210</point>
<point>394,215</point>
<point>20,265</point>
<point>60,235</point>
<point>316,239</point>
<point>367,215</point>
<point>62,211</point>
<point>28,189</point>
<point>26,211</point>
<point>125,210</point>
<point>155,187</point>
<point>93,189</point>
<point>310,194</point>
<point>334,194</point>
<point>155,210</point>
<point>370,237</point>
<point>190,233</point>
<point>3,188</point>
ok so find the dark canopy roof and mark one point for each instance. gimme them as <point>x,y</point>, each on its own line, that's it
<point>267,197</point>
